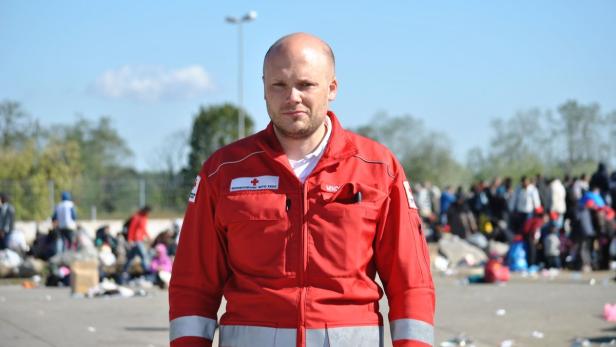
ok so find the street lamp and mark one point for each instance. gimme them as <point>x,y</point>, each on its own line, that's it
<point>250,16</point>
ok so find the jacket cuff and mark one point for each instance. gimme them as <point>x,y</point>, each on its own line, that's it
<point>411,332</point>
<point>197,330</point>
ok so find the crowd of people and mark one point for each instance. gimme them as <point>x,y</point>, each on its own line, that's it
<point>67,241</point>
<point>565,223</point>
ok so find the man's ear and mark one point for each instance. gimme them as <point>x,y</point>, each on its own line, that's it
<point>333,89</point>
<point>263,80</point>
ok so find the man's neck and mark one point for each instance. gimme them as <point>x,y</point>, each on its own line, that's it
<point>296,149</point>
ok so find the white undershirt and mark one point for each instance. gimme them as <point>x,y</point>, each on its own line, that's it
<point>303,167</point>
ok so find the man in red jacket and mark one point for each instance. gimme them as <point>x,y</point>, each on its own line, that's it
<point>292,225</point>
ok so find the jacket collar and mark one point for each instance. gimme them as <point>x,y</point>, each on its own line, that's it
<point>338,147</point>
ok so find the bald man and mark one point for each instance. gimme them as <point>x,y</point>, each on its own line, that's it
<point>292,224</point>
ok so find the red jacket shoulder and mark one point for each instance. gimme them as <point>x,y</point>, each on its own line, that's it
<point>232,152</point>
<point>373,151</point>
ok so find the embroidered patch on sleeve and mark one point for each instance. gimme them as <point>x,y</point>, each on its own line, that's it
<point>193,193</point>
<point>409,195</point>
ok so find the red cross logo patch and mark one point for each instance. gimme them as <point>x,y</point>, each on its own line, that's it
<point>254,183</point>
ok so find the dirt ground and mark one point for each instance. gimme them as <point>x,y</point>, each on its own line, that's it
<point>526,311</point>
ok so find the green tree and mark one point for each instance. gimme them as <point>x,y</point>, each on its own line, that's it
<point>533,142</point>
<point>26,171</point>
<point>580,132</point>
<point>213,127</point>
<point>103,149</point>
<point>515,147</point>
<point>87,158</point>
<point>610,129</point>
<point>16,127</point>
<point>425,155</point>
<point>171,156</point>
<point>104,159</point>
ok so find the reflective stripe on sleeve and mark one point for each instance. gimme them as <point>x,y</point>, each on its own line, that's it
<point>192,326</point>
<point>412,329</point>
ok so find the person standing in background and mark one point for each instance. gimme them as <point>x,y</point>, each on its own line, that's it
<point>526,201</point>
<point>66,216</point>
<point>7,219</point>
<point>558,202</point>
<point>137,238</point>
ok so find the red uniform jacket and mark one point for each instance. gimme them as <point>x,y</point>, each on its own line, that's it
<point>297,262</point>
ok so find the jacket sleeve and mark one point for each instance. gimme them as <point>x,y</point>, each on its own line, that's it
<point>199,272</point>
<point>403,265</point>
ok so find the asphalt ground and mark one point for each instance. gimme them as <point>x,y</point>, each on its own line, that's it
<point>527,311</point>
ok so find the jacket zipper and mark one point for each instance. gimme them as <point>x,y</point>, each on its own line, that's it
<point>301,333</point>
<point>302,273</point>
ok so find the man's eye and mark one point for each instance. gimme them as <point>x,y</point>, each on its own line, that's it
<point>278,84</point>
<point>306,84</point>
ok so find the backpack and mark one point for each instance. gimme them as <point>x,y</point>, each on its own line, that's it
<point>516,258</point>
<point>126,226</point>
<point>496,272</point>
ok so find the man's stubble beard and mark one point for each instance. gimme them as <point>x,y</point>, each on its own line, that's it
<point>299,134</point>
<point>303,133</point>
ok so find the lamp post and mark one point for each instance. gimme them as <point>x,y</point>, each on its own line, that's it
<point>250,16</point>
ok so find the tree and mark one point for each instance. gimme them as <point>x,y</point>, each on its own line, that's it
<point>168,185</point>
<point>29,158</point>
<point>610,129</point>
<point>580,131</point>
<point>26,171</point>
<point>425,155</point>
<point>170,157</point>
<point>104,157</point>
<point>103,149</point>
<point>87,158</point>
<point>533,142</point>
<point>15,125</point>
<point>517,144</point>
<point>213,127</point>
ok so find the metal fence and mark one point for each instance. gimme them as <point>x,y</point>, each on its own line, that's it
<point>99,199</point>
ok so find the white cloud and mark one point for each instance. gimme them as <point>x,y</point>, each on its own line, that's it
<point>149,83</point>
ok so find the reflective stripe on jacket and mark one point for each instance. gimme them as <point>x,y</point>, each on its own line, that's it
<point>297,262</point>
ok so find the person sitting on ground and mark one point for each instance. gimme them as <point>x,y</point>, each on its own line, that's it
<point>104,237</point>
<point>160,267</point>
<point>166,238</point>
<point>551,243</point>
<point>460,218</point>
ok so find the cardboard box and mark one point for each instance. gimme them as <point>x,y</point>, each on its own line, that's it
<point>84,275</point>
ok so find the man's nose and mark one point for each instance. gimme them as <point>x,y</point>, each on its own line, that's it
<point>294,96</point>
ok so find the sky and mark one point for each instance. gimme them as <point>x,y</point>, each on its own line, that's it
<point>456,65</point>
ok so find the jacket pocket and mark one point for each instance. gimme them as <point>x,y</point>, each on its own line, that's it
<point>342,228</point>
<point>256,227</point>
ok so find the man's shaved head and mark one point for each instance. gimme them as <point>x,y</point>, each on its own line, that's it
<point>300,40</point>
<point>299,82</point>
